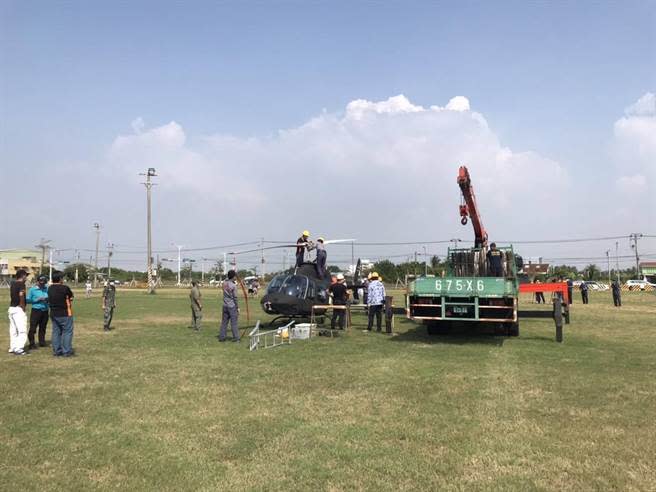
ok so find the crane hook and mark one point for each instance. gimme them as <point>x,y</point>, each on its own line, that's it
<point>463,220</point>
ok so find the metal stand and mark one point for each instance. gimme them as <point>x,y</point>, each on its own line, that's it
<point>270,338</point>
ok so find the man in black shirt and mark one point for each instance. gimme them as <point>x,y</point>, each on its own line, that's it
<point>617,293</point>
<point>584,292</point>
<point>60,299</point>
<point>17,316</point>
<point>495,261</point>
<point>339,292</point>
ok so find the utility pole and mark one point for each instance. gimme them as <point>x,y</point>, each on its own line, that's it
<point>634,237</point>
<point>425,262</point>
<point>225,264</point>
<point>96,226</point>
<point>617,260</point>
<point>202,270</point>
<point>149,260</point>
<point>608,260</point>
<point>50,263</point>
<point>262,261</point>
<point>179,246</point>
<point>43,245</point>
<point>110,252</point>
<point>77,264</point>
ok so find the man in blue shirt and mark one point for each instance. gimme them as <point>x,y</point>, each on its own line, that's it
<point>38,297</point>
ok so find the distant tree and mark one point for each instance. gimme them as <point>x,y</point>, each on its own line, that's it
<point>387,269</point>
<point>591,272</point>
<point>564,271</point>
<point>83,272</point>
<point>334,269</point>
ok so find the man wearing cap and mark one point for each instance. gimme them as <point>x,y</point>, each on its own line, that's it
<point>108,304</point>
<point>339,293</point>
<point>322,256</point>
<point>301,246</point>
<point>17,316</point>
<point>375,301</point>
<point>37,296</point>
<point>196,306</point>
<point>60,299</point>
<point>495,261</point>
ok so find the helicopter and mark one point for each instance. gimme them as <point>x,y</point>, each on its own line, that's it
<point>292,295</point>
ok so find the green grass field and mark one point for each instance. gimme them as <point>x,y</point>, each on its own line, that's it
<point>155,406</point>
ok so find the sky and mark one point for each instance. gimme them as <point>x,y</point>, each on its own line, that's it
<point>349,119</point>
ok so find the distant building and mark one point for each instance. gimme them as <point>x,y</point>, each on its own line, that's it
<point>648,271</point>
<point>535,269</point>
<point>365,265</point>
<point>12,260</point>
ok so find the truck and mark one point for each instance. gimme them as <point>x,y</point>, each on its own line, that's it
<point>469,291</point>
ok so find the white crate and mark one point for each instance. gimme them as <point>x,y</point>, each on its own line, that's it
<point>301,331</point>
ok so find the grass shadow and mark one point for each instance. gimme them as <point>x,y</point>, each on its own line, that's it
<point>456,335</point>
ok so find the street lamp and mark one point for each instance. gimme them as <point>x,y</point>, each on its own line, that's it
<point>179,246</point>
<point>425,262</point>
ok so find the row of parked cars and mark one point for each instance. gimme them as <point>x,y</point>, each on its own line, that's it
<point>631,284</point>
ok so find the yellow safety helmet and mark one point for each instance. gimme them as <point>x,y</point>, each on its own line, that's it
<point>320,239</point>
<point>374,275</point>
<point>306,233</point>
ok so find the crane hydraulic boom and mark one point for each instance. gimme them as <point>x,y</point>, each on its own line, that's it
<point>469,208</point>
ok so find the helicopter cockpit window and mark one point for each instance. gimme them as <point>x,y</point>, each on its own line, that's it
<point>311,289</point>
<point>276,283</point>
<point>295,286</point>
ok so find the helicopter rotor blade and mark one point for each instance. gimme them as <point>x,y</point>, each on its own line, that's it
<point>290,245</point>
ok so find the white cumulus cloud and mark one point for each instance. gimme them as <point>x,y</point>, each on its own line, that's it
<point>379,169</point>
<point>634,147</point>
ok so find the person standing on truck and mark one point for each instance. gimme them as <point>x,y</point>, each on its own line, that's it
<point>584,292</point>
<point>617,293</point>
<point>495,261</point>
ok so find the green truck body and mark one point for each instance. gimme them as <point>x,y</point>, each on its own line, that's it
<point>467,292</point>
